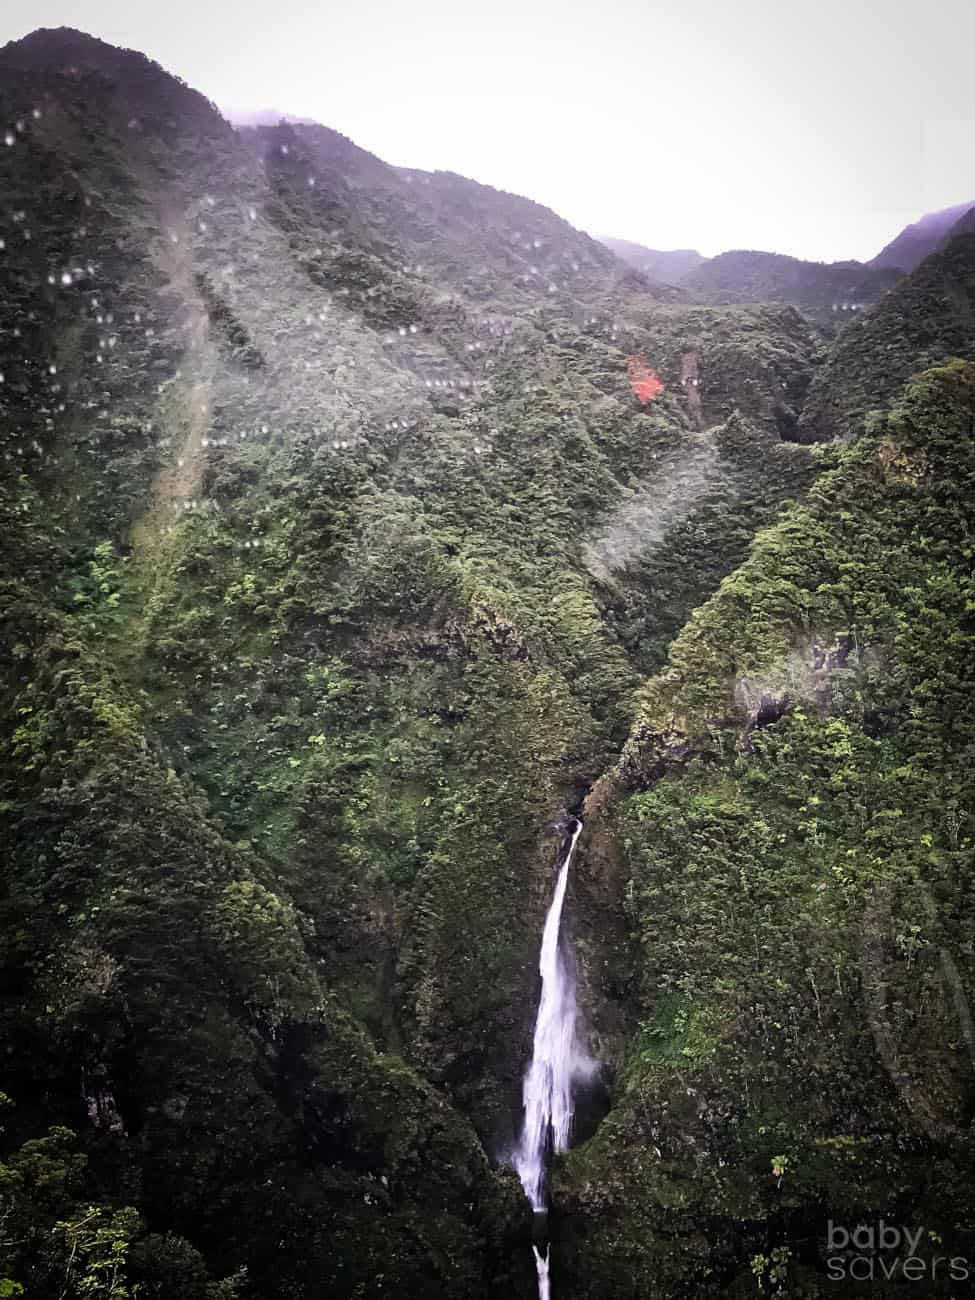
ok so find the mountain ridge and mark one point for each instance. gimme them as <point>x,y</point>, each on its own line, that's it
<point>668,266</point>
<point>916,241</point>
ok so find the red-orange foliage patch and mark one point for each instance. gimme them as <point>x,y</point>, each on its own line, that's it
<point>644,380</point>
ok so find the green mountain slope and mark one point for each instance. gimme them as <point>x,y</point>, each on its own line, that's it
<point>325,517</point>
<point>828,293</point>
<point>348,543</point>
<point>918,240</point>
<point>792,821</point>
<point>925,319</point>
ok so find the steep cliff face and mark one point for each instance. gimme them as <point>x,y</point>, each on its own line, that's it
<point>305,463</point>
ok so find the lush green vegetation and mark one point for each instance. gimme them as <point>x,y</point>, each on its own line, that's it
<point>337,554</point>
<point>828,293</point>
<point>798,891</point>
<point>925,319</point>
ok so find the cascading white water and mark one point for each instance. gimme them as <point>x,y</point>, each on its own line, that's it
<point>541,1266</point>
<point>547,1091</point>
<point>557,1060</point>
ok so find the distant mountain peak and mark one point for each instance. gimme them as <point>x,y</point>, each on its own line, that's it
<point>57,47</point>
<point>908,249</point>
<point>243,117</point>
<point>668,265</point>
<point>138,84</point>
<point>823,291</point>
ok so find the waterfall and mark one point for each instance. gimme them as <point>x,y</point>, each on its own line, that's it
<point>557,1060</point>
<point>541,1265</point>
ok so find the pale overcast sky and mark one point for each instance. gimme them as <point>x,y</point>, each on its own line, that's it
<point>812,127</point>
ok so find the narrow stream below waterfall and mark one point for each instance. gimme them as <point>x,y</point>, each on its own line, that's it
<point>558,1059</point>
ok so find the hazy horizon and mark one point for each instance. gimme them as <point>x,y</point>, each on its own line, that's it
<point>820,132</point>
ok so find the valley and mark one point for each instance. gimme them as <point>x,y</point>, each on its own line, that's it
<point>343,561</point>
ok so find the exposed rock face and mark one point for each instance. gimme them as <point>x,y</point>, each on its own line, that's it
<point>690,381</point>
